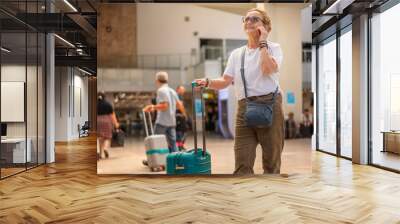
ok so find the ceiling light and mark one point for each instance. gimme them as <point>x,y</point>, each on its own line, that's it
<point>84,71</point>
<point>331,7</point>
<point>70,5</point>
<point>65,41</point>
<point>5,50</point>
<point>338,6</point>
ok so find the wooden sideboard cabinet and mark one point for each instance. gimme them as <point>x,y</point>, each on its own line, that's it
<point>391,141</point>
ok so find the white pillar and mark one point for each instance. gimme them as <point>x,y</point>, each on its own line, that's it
<point>50,99</point>
<point>63,102</point>
<point>360,90</point>
<point>50,92</point>
<point>314,90</point>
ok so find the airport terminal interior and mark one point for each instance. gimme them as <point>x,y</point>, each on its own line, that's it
<point>339,80</point>
<point>132,87</point>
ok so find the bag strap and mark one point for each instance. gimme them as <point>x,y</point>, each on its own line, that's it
<point>275,93</point>
<point>242,71</point>
<point>244,79</point>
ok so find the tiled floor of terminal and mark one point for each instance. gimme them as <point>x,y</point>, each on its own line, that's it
<point>296,157</point>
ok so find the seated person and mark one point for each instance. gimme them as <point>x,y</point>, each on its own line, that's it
<point>306,126</point>
<point>290,126</point>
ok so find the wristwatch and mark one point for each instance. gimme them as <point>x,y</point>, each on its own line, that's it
<point>263,44</point>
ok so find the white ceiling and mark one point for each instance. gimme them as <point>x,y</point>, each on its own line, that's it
<point>236,8</point>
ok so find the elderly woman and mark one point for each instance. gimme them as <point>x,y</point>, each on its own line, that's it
<point>254,70</point>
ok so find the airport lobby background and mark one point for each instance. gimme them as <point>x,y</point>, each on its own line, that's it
<point>192,41</point>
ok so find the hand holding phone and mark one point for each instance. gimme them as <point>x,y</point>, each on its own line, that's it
<point>262,33</point>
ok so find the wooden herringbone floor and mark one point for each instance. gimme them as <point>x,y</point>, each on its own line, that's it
<point>70,191</point>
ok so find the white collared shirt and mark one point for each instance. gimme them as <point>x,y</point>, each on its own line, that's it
<point>257,83</point>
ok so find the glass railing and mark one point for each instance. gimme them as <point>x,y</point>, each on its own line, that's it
<point>179,61</point>
<point>182,69</point>
<point>211,53</point>
<point>169,61</point>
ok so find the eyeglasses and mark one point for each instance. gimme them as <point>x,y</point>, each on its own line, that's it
<point>252,19</point>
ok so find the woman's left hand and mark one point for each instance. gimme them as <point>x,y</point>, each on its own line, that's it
<point>263,33</point>
<point>201,82</point>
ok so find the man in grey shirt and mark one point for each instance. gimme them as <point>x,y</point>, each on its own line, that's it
<point>167,102</point>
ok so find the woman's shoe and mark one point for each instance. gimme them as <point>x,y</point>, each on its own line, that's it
<point>106,153</point>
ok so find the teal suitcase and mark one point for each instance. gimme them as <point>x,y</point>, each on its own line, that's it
<point>190,162</point>
<point>197,160</point>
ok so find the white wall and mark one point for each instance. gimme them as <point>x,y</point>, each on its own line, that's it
<point>306,24</point>
<point>79,117</point>
<point>61,103</point>
<point>69,85</point>
<point>212,68</point>
<point>306,37</point>
<point>161,28</point>
<point>33,127</point>
<point>13,72</point>
<point>16,73</point>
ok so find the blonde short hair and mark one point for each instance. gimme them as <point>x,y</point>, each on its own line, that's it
<point>266,20</point>
<point>162,77</point>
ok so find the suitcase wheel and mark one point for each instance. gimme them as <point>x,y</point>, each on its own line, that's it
<point>157,169</point>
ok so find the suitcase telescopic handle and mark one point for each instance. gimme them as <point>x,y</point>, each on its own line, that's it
<point>145,123</point>
<point>194,85</point>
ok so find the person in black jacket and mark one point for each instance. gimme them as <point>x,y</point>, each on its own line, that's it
<point>106,121</point>
<point>290,126</point>
<point>181,121</point>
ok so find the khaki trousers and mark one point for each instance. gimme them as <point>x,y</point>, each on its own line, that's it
<point>270,138</point>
